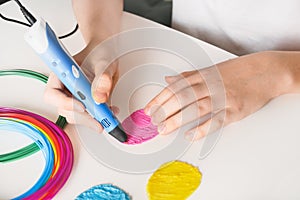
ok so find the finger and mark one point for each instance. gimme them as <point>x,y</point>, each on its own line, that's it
<point>101,87</point>
<point>56,95</point>
<point>191,113</point>
<point>62,101</point>
<point>81,119</point>
<point>213,124</point>
<point>102,84</point>
<point>115,110</point>
<point>169,91</point>
<point>54,82</point>
<point>179,101</point>
<point>171,79</point>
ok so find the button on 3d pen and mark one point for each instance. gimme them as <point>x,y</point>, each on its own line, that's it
<point>75,71</point>
<point>82,97</point>
<point>54,63</point>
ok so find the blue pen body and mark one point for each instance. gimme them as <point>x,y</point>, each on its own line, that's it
<point>46,44</point>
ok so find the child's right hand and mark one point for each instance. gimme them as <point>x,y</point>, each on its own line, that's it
<point>102,83</point>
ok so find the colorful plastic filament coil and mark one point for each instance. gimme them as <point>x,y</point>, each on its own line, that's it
<point>50,139</point>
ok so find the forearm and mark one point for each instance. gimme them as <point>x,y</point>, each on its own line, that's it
<point>98,19</point>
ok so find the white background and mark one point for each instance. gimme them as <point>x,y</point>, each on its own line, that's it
<point>256,158</point>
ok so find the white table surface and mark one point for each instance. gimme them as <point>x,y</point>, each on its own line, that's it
<point>256,158</point>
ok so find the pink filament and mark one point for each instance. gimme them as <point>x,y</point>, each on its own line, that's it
<point>139,128</point>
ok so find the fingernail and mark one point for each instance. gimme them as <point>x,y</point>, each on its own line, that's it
<point>151,110</point>
<point>147,111</point>
<point>190,136</point>
<point>99,97</point>
<point>170,78</point>
<point>154,121</point>
<point>161,128</point>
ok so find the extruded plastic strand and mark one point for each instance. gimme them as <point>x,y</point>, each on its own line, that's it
<point>36,135</point>
<point>61,121</point>
<point>25,73</point>
<point>50,138</point>
<point>32,148</point>
<point>19,154</point>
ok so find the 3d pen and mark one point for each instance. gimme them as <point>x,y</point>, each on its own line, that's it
<point>46,44</point>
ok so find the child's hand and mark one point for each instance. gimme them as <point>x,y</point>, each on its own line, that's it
<point>102,83</point>
<point>236,89</point>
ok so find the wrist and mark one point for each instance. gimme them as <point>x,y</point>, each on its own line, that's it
<point>287,65</point>
<point>80,56</point>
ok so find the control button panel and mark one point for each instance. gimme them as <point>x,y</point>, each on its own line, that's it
<point>81,95</point>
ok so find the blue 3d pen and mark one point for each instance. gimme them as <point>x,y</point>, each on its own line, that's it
<point>46,44</point>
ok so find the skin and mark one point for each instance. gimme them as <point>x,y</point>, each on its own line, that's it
<point>236,89</point>
<point>95,27</point>
<point>249,82</point>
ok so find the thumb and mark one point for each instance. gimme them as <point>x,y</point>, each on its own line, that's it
<point>101,87</point>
